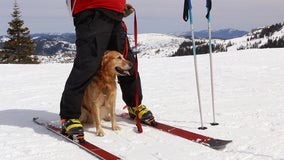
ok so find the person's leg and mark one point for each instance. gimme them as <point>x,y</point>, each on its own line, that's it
<point>92,36</point>
<point>129,84</point>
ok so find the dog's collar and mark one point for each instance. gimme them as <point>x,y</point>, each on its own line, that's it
<point>105,91</point>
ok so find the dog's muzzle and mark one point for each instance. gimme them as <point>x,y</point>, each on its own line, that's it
<point>122,72</point>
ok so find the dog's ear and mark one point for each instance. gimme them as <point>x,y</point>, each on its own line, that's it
<point>105,58</point>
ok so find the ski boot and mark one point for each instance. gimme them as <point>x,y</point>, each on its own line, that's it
<point>73,129</point>
<point>144,114</point>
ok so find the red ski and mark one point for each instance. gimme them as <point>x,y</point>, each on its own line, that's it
<point>217,144</point>
<point>89,147</point>
<point>213,143</point>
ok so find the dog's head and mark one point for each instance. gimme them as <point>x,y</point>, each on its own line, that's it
<point>114,63</point>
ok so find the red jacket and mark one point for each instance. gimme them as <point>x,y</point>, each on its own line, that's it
<point>114,5</point>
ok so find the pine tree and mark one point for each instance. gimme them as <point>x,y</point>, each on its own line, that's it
<point>20,48</point>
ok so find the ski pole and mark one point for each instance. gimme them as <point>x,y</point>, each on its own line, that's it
<point>188,6</point>
<point>209,6</point>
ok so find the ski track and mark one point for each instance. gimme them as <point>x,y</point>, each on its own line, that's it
<point>249,105</point>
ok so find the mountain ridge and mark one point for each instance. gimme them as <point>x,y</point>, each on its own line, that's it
<point>227,33</point>
<point>60,47</point>
<point>49,44</point>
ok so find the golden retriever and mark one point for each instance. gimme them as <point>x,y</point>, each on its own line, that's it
<point>100,95</point>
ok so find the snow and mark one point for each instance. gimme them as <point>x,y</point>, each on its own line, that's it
<point>249,106</point>
<point>152,45</point>
<point>4,39</point>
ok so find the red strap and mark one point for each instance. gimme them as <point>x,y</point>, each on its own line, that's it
<point>125,52</point>
<point>135,33</point>
<point>138,124</point>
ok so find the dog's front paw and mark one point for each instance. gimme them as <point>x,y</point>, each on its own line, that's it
<point>100,132</point>
<point>116,128</point>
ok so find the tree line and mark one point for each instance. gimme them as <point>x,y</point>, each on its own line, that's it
<point>202,47</point>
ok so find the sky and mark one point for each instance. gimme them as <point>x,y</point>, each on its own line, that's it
<point>155,16</point>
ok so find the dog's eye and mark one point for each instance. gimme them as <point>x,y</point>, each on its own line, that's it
<point>119,57</point>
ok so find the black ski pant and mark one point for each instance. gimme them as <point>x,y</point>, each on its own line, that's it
<point>95,33</point>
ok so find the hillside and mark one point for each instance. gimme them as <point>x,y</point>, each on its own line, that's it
<point>262,37</point>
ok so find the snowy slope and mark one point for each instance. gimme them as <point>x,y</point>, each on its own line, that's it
<point>248,41</point>
<point>249,93</point>
<point>157,45</point>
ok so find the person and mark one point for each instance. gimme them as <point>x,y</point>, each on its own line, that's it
<point>99,27</point>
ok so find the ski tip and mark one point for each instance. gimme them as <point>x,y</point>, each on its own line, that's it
<point>39,121</point>
<point>36,120</point>
<point>218,144</point>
